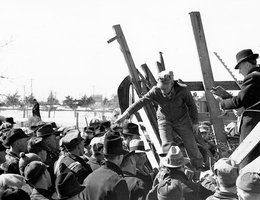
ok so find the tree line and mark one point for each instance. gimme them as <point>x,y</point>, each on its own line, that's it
<point>15,100</point>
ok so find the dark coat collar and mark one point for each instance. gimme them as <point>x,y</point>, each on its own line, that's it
<point>114,167</point>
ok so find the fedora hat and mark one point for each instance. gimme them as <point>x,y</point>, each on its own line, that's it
<point>130,129</point>
<point>10,120</point>
<point>113,144</point>
<point>45,130</point>
<point>137,146</point>
<point>244,55</point>
<point>174,158</point>
<point>67,186</point>
<point>12,135</point>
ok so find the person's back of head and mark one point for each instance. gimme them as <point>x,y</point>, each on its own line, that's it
<point>226,171</point>
<point>248,186</point>
<point>169,189</point>
<point>13,193</point>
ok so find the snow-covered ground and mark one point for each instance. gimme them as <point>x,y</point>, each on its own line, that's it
<point>62,118</point>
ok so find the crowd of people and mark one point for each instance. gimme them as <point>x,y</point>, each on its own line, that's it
<point>108,161</point>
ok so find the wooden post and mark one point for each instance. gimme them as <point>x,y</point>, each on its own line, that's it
<point>77,120</point>
<point>150,112</point>
<point>208,80</point>
<point>148,75</point>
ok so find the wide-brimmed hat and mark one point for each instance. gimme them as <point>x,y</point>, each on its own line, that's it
<point>12,135</point>
<point>130,129</point>
<point>137,146</point>
<point>45,131</point>
<point>174,158</point>
<point>164,78</point>
<point>36,144</point>
<point>226,171</point>
<point>10,120</point>
<point>244,55</point>
<point>67,186</point>
<point>94,122</point>
<point>113,144</point>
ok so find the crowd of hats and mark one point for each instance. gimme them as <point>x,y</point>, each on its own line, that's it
<point>99,134</point>
<point>108,139</point>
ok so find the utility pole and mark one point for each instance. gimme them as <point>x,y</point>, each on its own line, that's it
<point>24,101</point>
<point>93,90</point>
<point>31,86</point>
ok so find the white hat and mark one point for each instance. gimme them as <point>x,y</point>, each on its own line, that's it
<point>174,158</point>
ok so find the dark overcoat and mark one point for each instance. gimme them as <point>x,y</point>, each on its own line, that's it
<point>106,183</point>
<point>249,98</point>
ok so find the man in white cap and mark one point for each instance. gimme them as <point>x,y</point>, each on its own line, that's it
<point>177,114</point>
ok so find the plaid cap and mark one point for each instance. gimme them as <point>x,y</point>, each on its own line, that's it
<point>25,159</point>
<point>169,188</point>
<point>226,171</point>
<point>249,182</point>
<point>165,77</point>
<point>34,170</point>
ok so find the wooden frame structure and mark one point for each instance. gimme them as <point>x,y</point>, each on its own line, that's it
<point>206,85</point>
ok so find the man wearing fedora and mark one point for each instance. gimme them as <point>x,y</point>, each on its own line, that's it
<point>177,114</point>
<point>130,131</point>
<point>174,166</point>
<point>51,142</point>
<point>248,98</point>
<point>142,171</point>
<point>67,187</point>
<point>107,182</point>
<point>16,141</point>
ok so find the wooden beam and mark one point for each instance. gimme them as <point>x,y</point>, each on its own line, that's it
<point>135,78</point>
<point>252,166</point>
<point>247,145</point>
<point>148,75</point>
<point>208,80</point>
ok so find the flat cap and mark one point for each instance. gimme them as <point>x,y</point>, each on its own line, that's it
<point>71,139</point>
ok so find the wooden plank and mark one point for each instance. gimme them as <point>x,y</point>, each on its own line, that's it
<point>159,67</point>
<point>208,80</point>
<point>128,57</point>
<point>150,111</point>
<point>148,75</point>
<point>247,145</point>
<point>252,166</point>
<point>150,154</point>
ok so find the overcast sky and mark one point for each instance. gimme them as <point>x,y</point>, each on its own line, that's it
<point>61,45</point>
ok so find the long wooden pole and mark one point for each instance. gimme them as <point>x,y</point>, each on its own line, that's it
<point>149,110</point>
<point>208,80</point>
